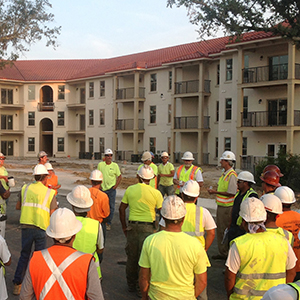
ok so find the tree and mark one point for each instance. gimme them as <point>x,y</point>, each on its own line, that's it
<point>22,23</point>
<point>236,17</point>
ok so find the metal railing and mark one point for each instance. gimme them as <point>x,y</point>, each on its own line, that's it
<point>205,158</point>
<point>185,122</point>
<point>297,117</point>
<point>206,86</point>
<point>128,93</point>
<point>297,71</point>
<point>45,106</point>
<point>184,87</point>
<point>206,122</point>
<point>128,124</point>
<point>179,155</point>
<point>123,155</point>
<point>264,118</point>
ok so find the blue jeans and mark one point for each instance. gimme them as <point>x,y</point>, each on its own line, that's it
<point>29,236</point>
<point>111,193</point>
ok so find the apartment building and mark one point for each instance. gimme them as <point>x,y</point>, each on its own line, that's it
<point>205,97</point>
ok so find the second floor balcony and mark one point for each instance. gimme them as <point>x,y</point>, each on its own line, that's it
<point>191,86</point>
<point>190,122</point>
<point>128,124</point>
<point>264,118</point>
<point>45,106</point>
<point>128,93</point>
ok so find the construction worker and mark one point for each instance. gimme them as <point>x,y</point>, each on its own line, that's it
<point>37,203</point>
<point>90,238</point>
<point>288,291</point>
<point>272,168</point>
<point>290,220</point>
<point>61,272</point>
<point>259,259</point>
<point>5,260</point>
<point>52,180</point>
<point>186,172</point>
<point>142,200</point>
<point>270,182</point>
<point>43,157</point>
<point>165,176</point>
<point>273,207</point>
<point>111,179</point>
<point>226,191</point>
<point>4,195</point>
<point>147,161</point>
<point>244,183</point>
<point>173,266</point>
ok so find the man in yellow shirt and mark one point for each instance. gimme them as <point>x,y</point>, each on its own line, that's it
<point>165,176</point>
<point>147,161</point>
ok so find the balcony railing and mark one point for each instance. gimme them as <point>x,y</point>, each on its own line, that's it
<point>207,86</point>
<point>178,155</point>
<point>265,73</point>
<point>185,87</point>
<point>297,117</point>
<point>186,122</point>
<point>127,124</point>
<point>128,93</point>
<point>206,122</point>
<point>297,71</point>
<point>206,158</point>
<point>264,118</point>
<point>45,106</point>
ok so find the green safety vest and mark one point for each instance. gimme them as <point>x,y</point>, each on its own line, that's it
<point>186,176</point>
<point>223,187</point>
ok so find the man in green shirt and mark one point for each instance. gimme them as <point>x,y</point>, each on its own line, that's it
<point>165,176</point>
<point>147,161</point>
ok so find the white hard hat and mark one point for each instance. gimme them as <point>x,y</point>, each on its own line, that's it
<point>80,198</point>
<point>96,175</point>
<point>39,169</point>
<point>246,176</point>
<point>272,203</point>
<point>63,224</point>
<point>146,156</point>
<point>2,155</point>
<point>173,208</point>
<point>228,155</point>
<point>146,172</point>
<point>285,194</point>
<point>281,292</point>
<point>165,154</point>
<point>48,166</point>
<point>191,188</point>
<point>108,151</point>
<point>253,210</point>
<point>42,154</point>
<point>187,156</point>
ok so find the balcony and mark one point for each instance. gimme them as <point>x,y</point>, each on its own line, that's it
<point>264,118</point>
<point>45,106</point>
<point>206,86</point>
<point>297,71</point>
<point>128,93</point>
<point>186,122</point>
<point>186,87</point>
<point>206,122</point>
<point>128,124</point>
<point>297,117</point>
<point>11,106</point>
<point>76,105</point>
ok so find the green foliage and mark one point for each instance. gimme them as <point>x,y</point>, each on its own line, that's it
<point>235,17</point>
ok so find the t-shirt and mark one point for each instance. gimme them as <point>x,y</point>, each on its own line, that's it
<point>142,200</point>
<point>4,256</point>
<point>153,182</point>
<point>100,208</point>
<point>173,258</point>
<point>165,169</point>
<point>110,173</point>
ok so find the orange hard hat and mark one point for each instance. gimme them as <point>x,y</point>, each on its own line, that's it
<point>272,168</point>
<point>271,178</point>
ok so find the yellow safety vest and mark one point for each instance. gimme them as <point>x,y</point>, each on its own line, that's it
<point>296,286</point>
<point>263,264</point>
<point>186,176</point>
<point>223,187</point>
<point>288,235</point>
<point>86,239</point>
<point>36,201</point>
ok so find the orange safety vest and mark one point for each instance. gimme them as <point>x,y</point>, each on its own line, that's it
<point>53,180</point>
<point>191,176</point>
<point>65,262</point>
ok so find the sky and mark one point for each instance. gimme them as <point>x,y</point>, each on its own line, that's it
<point>104,29</point>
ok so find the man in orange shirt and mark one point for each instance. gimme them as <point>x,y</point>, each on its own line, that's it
<point>52,180</point>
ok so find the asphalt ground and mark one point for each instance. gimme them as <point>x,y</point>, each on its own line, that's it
<point>113,265</point>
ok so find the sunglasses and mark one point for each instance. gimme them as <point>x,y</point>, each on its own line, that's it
<point>240,181</point>
<point>109,155</point>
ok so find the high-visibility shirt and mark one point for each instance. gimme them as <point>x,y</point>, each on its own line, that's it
<point>86,239</point>
<point>110,173</point>
<point>223,187</point>
<point>3,172</point>
<point>36,200</point>
<point>153,182</point>
<point>59,272</point>
<point>262,266</point>
<point>165,169</point>
<point>190,174</point>
<point>53,180</point>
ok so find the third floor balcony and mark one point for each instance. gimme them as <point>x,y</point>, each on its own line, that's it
<point>264,118</point>
<point>128,124</point>
<point>128,93</point>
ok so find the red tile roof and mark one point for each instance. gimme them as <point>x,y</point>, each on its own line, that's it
<point>64,70</point>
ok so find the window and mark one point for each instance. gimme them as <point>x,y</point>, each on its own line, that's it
<point>229,69</point>
<point>245,107</point>
<point>61,92</point>
<point>91,117</point>
<point>217,148</point>
<point>153,144</point>
<point>31,118</point>
<point>91,89</point>
<point>244,146</point>
<point>152,114</point>
<point>6,96</point>
<point>31,92</point>
<point>153,82</point>
<point>6,122</point>
<point>101,145</point>
<point>228,106</point>
<point>91,145</point>
<point>170,80</point>
<point>61,118</point>
<point>102,116</point>
<point>82,95</point>
<point>278,67</point>
<point>102,88</point>
<point>7,147</point>
<point>271,150</point>
<point>218,74</point>
<point>169,113</point>
<point>60,144</point>
<point>217,111</point>
<point>31,144</point>
<point>227,146</point>
<point>282,149</point>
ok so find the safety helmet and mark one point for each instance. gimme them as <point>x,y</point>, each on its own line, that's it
<point>108,151</point>
<point>173,208</point>
<point>272,168</point>
<point>253,210</point>
<point>40,169</point>
<point>96,175</point>
<point>271,178</point>
<point>42,154</point>
<point>191,188</point>
<point>48,166</point>
<point>165,154</point>
<point>187,156</point>
<point>146,156</point>
<point>272,203</point>
<point>246,176</point>
<point>285,194</point>
<point>228,155</point>
<point>63,224</point>
<point>80,198</point>
<point>281,292</point>
<point>2,155</point>
<point>146,172</point>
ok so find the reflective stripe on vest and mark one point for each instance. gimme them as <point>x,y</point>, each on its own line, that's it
<point>189,175</point>
<point>57,274</point>
<point>198,221</point>
<point>223,187</point>
<point>248,292</point>
<point>296,287</point>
